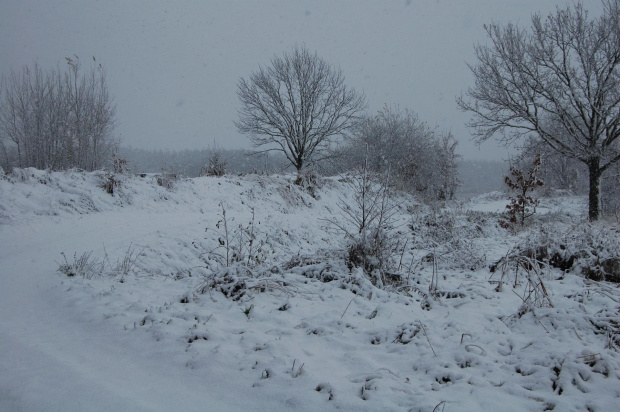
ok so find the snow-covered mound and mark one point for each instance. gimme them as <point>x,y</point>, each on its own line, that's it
<point>233,293</point>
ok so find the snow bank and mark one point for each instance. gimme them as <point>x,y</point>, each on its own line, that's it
<point>294,329</point>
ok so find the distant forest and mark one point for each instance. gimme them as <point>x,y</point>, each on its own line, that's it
<point>476,177</point>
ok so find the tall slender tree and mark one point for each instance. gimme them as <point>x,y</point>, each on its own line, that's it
<point>57,119</point>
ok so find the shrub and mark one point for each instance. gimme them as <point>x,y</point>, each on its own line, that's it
<point>119,164</point>
<point>110,183</point>
<point>448,240</point>
<point>238,281</point>
<point>591,250</point>
<point>167,178</point>
<point>84,265</point>
<point>310,181</point>
<point>522,204</point>
<point>216,165</point>
<point>238,244</point>
<point>367,223</point>
<point>88,266</point>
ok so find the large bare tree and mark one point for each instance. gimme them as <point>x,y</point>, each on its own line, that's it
<point>558,81</point>
<point>297,106</point>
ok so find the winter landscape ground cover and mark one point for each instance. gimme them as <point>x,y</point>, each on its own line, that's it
<point>235,293</point>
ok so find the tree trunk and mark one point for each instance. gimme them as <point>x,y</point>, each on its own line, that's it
<point>594,197</point>
<point>299,165</point>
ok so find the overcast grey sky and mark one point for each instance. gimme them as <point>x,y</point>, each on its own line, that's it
<point>173,66</point>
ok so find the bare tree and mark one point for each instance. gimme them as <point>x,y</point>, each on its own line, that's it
<point>297,106</point>
<point>91,115</point>
<point>448,163</point>
<point>422,160</point>
<point>57,120</point>
<point>559,81</point>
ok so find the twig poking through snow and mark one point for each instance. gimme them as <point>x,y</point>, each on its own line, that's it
<point>442,404</point>
<point>345,310</point>
<point>296,373</point>
<point>427,339</point>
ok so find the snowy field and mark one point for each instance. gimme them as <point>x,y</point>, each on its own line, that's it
<point>145,316</point>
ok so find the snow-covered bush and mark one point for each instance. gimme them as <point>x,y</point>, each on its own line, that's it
<point>110,182</point>
<point>448,238</point>
<point>238,243</point>
<point>29,175</point>
<point>238,281</point>
<point>216,165</point>
<point>87,266</point>
<point>595,250</point>
<point>167,178</point>
<point>84,266</point>
<point>368,224</point>
<point>592,250</point>
<point>310,180</point>
<point>128,264</point>
<point>528,270</point>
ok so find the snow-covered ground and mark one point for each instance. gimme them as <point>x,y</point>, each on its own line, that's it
<point>298,329</point>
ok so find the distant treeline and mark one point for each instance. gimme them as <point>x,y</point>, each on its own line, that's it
<point>476,177</point>
<point>193,163</point>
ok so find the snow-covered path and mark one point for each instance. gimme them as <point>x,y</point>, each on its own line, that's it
<point>54,357</point>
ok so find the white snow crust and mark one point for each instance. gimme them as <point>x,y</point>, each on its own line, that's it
<point>306,334</point>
